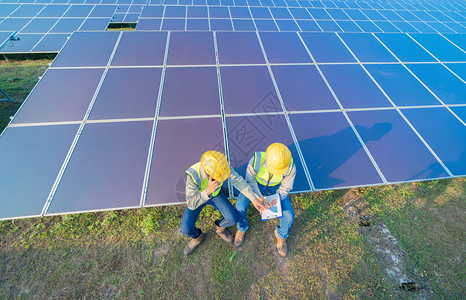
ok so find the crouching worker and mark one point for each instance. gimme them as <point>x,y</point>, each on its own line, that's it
<point>203,186</point>
<point>269,173</point>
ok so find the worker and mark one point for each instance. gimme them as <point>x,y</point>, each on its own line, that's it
<point>268,173</point>
<point>203,186</point>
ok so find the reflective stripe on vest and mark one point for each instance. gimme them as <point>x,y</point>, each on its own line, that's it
<point>263,176</point>
<point>195,173</point>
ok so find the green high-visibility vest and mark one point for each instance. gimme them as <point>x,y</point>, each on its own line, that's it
<point>263,176</point>
<point>195,173</point>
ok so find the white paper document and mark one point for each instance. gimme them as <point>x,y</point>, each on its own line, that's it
<point>275,211</point>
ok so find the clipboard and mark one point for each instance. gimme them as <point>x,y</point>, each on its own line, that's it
<point>274,212</point>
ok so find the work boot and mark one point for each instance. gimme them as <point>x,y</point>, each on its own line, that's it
<point>239,238</point>
<point>192,245</point>
<point>281,245</point>
<point>223,233</point>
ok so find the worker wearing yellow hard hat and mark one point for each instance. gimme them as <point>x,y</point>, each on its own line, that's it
<point>268,173</point>
<point>203,186</point>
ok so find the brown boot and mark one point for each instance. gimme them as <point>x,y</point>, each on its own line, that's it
<point>281,245</point>
<point>223,233</point>
<point>239,238</point>
<point>192,245</point>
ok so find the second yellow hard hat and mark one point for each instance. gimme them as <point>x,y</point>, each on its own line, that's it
<point>278,158</point>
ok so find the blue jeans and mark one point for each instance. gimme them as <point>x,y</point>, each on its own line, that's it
<point>221,203</point>
<point>283,229</point>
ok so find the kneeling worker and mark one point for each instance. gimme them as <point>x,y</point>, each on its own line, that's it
<point>269,173</point>
<point>203,186</point>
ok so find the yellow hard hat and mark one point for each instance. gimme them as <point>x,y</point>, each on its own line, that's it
<point>278,158</point>
<point>215,164</point>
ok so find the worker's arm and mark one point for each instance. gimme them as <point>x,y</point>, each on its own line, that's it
<point>194,197</point>
<point>251,177</point>
<point>287,183</point>
<point>241,185</point>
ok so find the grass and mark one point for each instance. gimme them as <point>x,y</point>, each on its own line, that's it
<point>138,253</point>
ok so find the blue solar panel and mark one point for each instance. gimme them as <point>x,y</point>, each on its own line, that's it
<point>446,136</point>
<point>120,98</point>
<point>39,25</point>
<point>77,86</point>
<point>357,90</point>
<point>245,88</point>
<point>50,43</point>
<point>401,86</point>
<point>366,47</point>
<point>239,48</point>
<point>199,95</point>
<point>284,48</point>
<point>195,48</point>
<point>101,44</point>
<point>140,49</point>
<point>449,88</point>
<point>326,47</point>
<point>33,157</point>
<point>302,88</point>
<point>108,164</point>
<point>321,136</point>
<point>439,47</point>
<point>165,170</point>
<point>386,132</point>
<point>405,48</point>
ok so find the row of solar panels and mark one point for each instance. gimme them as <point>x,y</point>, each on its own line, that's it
<point>228,11</point>
<point>50,34</point>
<point>90,137</point>
<point>402,5</point>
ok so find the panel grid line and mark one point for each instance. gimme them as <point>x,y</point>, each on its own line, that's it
<point>78,134</point>
<point>150,154</point>
<point>290,127</point>
<point>226,144</point>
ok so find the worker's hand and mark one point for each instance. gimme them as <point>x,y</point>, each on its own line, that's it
<point>261,204</point>
<point>212,186</point>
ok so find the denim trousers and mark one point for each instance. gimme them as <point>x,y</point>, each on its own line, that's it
<point>283,228</point>
<point>219,202</point>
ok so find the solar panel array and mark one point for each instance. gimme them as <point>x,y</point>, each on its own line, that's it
<point>44,26</point>
<point>309,17</point>
<point>363,93</point>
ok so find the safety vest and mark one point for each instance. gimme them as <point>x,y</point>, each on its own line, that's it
<point>263,176</point>
<point>195,173</point>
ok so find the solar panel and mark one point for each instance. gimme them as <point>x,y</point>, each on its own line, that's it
<point>321,137</point>
<point>351,88</point>
<point>106,169</point>
<point>166,182</point>
<point>397,150</point>
<point>30,160</point>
